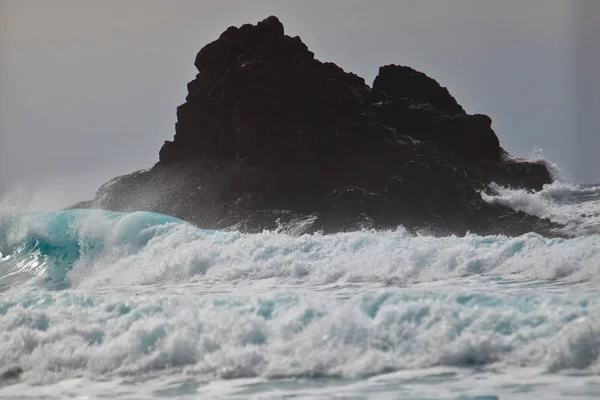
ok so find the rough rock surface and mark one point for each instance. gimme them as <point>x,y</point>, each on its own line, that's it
<point>269,135</point>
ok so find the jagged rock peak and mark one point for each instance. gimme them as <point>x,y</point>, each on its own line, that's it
<point>271,24</point>
<point>405,82</point>
<point>264,41</point>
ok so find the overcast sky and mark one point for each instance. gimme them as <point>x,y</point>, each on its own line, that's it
<point>93,85</point>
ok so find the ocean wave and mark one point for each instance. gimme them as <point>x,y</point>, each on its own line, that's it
<point>94,249</point>
<point>575,206</point>
<point>59,335</point>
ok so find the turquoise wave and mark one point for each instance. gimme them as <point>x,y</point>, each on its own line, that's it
<point>88,249</point>
<point>46,245</point>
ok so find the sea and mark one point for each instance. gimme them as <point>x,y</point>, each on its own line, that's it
<point>105,305</point>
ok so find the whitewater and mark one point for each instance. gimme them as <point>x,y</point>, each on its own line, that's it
<point>98,304</point>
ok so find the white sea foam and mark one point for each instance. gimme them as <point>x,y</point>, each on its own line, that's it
<point>576,207</point>
<point>55,336</point>
<point>183,254</point>
<point>102,249</point>
<point>150,306</point>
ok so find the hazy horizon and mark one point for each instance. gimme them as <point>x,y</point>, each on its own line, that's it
<point>94,86</point>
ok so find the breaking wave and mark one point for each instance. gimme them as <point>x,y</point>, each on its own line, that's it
<point>576,207</point>
<point>94,249</point>
<point>99,294</point>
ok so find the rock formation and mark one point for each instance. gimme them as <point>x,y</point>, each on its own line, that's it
<point>268,135</point>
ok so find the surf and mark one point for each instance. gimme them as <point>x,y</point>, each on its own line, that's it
<point>40,249</point>
<point>146,300</point>
<point>95,248</point>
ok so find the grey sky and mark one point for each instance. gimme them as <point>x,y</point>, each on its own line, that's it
<point>93,85</point>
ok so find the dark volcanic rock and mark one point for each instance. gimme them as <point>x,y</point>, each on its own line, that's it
<point>402,82</point>
<point>268,135</point>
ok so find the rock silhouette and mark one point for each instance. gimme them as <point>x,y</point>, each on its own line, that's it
<point>271,136</point>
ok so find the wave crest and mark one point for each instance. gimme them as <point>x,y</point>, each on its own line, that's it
<point>93,249</point>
